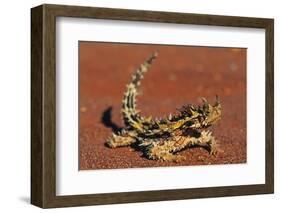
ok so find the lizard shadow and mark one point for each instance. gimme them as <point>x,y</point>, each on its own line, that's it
<point>106,119</point>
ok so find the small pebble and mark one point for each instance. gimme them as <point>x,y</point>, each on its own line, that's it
<point>83,109</point>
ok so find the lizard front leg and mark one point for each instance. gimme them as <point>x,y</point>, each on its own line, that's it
<point>207,141</point>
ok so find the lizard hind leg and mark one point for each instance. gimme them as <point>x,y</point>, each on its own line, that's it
<point>164,151</point>
<point>119,140</point>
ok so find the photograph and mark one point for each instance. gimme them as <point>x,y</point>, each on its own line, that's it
<point>159,105</point>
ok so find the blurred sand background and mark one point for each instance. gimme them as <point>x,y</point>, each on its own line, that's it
<point>180,75</point>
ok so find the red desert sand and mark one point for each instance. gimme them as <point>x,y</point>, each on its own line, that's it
<point>180,75</point>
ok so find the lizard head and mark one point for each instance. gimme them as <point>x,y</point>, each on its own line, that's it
<point>210,114</point>
<point>199,117</point>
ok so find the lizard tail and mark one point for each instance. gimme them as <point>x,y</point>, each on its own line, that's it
<point>131,115</point>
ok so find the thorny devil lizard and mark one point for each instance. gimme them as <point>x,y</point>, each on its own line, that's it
<point>162,139</point>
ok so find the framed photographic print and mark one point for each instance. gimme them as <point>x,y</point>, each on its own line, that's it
<point>136,106</point>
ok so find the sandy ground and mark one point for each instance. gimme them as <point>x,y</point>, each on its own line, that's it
<point>179,76</point>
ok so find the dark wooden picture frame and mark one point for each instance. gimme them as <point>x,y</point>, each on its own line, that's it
<point>43,105</point>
